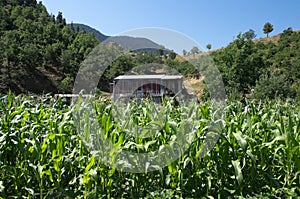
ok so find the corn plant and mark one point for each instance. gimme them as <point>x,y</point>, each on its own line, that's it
<point>43,155</point>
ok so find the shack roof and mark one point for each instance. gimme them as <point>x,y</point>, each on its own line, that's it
<point>131,77</point>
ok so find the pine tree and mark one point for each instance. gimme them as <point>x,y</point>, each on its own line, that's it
<point>268,27</point>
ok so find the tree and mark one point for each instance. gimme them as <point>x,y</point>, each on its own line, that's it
<point>271,87</point>
<point>67,60</point>
<point>172,55</point>
<point>268,27</point>
<point>120,66</point>
<point>31,39</point>
<point>250,34</point>
<point>29,56</point>
<point>184,52</point>
<point>288,32</point>
<point>240,64</point>
<point>60,20</point>
<point>160,51</point>
<point>208,46</point>
<point>11,52</point>
<point>29,2</point>
<point>65,86</point>
<point>195,50</point>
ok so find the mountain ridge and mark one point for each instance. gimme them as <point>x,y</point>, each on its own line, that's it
<point>100,36</point>
<point>128,42</point>
<point>274,39</point>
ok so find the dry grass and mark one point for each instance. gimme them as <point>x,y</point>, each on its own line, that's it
<point>274,39</point>
<point>196,56</point>
<point>195,86</point>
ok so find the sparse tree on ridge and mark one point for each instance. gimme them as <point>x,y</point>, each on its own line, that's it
<point>195,50</point>
<point>268,27</point>
<point>208,46</point>
<point>250,34</point>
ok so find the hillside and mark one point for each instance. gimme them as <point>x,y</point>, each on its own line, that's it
<point>101,37</point>
<point>273,39</point>
<point>258,69</point>
<point>133,42</point>
<point>39,53</point>
<point>126,42</point>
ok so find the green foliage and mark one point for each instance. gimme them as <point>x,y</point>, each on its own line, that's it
<point>268,27</point>
<point>65,86</point>
<point>42,155</point>
<point>240,64</point>
<point>34,43</point>
<point>37,48</point>
<point>194,50</point>
<point>274,86</point>
<point>122,65</point>
<point>208,46</point>
<point>172,55</point>
<point>258,69</point>
<point>135,63</point>
<point>250,34</point>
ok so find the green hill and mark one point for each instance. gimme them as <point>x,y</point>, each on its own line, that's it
<point>273,39</point>
<point>263,68</point>
<point>101,37</point>
<point>127,42</point>
<point>38,52</point>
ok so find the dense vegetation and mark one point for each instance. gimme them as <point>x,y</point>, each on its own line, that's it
<point>259,69</point>
<point>42,155</point>
<point>101,37</point>
<point>38,51</point>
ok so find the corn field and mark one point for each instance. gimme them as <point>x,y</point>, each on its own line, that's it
<point>42,155</point>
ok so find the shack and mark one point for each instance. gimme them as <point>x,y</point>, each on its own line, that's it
<point>143,86</point>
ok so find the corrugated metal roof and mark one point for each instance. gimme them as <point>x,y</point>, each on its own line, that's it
<point>124,77</point>
<point>172,77</point>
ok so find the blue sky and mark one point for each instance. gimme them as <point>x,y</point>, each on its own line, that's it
<point>215,22</point>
